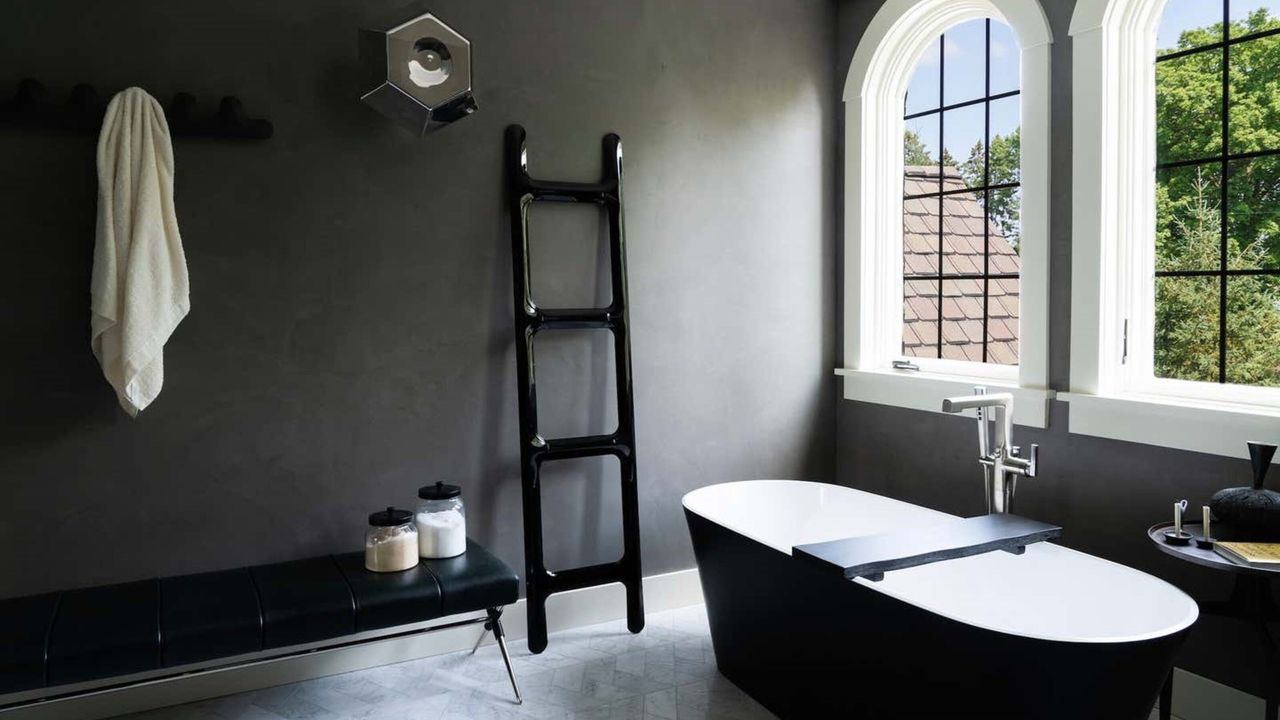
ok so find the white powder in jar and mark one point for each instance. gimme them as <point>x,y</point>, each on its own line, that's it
<point>442,534</point>
<point>390,550</point>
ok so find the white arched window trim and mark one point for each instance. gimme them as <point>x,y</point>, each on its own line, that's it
<point>1112,267</point>
<point>882,66</point>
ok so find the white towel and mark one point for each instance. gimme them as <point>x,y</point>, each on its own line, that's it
<point>139,271</point>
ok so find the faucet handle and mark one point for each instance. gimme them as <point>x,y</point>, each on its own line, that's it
<point>1027,466</point>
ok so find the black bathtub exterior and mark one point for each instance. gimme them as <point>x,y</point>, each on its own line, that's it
<point>807,644</point>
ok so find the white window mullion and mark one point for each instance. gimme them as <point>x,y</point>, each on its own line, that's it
<point>1033,333</point>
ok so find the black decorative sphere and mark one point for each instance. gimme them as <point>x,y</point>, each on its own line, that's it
<point>1253,513</point>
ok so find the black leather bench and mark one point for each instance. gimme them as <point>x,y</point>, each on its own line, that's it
<point>150,626</point>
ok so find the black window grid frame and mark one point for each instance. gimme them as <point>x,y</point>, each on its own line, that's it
<point>1223,161</point>
<point>986,188</point>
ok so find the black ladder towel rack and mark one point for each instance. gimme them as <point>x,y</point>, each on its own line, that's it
<point>540,583</point>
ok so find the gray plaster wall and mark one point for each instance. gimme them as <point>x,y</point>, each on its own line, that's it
<point>350,336</point>
<point>1104,493</point>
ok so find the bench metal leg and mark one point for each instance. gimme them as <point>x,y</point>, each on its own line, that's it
<point>495,624</point>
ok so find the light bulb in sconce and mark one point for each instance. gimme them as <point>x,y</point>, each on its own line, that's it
<point>418,73</point>
<point>431,64</point>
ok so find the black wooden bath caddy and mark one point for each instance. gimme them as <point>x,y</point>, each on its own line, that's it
<point>871,556</point>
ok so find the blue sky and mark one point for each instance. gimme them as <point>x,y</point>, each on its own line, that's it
<point>963,79</point>
<point>965,50</point>
<point>1180,15</point>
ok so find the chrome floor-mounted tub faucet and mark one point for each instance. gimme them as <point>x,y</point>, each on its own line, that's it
<point>1000,460</point>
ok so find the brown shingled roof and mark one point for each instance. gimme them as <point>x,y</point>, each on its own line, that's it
<point>962,220</point>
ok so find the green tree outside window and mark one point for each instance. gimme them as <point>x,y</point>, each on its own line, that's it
<point>1189,200</point>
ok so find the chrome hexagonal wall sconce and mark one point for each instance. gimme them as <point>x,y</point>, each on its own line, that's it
<point>418,73</point>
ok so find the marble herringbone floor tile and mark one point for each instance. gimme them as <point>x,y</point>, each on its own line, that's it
<point>601,672</point>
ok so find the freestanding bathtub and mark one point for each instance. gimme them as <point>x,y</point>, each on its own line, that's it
<point>1052,633</point>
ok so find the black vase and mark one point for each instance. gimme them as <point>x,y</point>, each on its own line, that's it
<point>1251,513</point>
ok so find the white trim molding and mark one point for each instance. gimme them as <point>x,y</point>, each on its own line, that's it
<point>925,391</point>
<point>1113,181</point>
<point>1114,393</point>
<point>1206,427</point>
<point>891,47</point>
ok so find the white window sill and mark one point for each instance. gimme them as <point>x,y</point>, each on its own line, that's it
<point>1206,427</point>
<point>925,391</point>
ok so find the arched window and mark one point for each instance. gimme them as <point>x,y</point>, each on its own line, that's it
<point>946,200</point>
<point>1176,248</point>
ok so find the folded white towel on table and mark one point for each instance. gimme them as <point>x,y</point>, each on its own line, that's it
<point>139,271</point>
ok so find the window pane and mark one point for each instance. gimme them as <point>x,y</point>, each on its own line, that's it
<point>1189,23</point>
<point>1002,250</point>
<point>1188,219</point>
<point>923,91</point>
<point>1005,141</point>
<point>920,155</point>
<point>920,237</point>
<point>1253,330</point>
<point>962,320</point>
<point>964,49</point>
<point>1255,86</point>
<point>1253,219</point>
<point>1002,322</point>
<point>1186,331</point>
<point>1251,16</point>
<point>962,143</point>
<point>962,221</point>
<point>920,318</point>
<point>1004,210</point>
<point>1189,107</point>
<point>1006,59</point>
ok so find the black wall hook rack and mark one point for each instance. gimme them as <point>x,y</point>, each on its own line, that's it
<point>535,450</point>
<point>83,112</point>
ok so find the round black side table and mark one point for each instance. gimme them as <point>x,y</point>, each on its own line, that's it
<point>1250,600</point>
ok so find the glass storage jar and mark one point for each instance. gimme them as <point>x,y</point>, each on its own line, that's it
<point>442,521</point>
<point>391,542</point>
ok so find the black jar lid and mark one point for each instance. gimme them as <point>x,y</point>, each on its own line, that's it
<point>439,491</point>
<point>390,517</point>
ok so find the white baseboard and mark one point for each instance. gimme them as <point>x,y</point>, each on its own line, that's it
<point>577,608</point>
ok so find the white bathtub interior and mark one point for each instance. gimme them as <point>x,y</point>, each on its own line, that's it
<point>1049,593</point>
